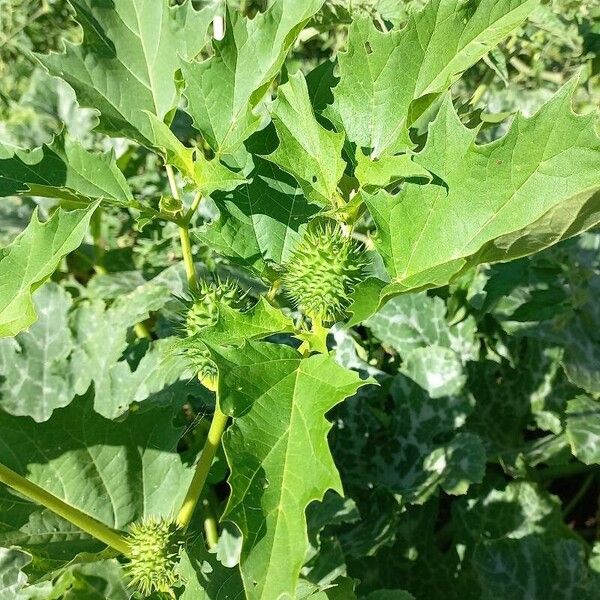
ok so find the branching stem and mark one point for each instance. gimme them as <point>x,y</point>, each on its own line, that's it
<point>34,492</point>
<point>213,439</point>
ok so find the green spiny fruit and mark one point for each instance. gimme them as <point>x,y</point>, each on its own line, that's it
<point>203,309</point>
<point>323,271</point>
<point>198,357</point>
<point>155,546</point>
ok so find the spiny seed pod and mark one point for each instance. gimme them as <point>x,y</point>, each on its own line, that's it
<point>155,546</point>
<point>323,271</point>
<point>198,358</point>
<point>203,309</point>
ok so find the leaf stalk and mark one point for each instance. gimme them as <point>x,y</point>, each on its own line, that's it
<point>213,439</point>
<point>90,525</point>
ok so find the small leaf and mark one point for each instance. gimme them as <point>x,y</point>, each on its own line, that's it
<point>387,170</point>
<point>12,578</point>
<point>31,259</point>
<point>583,429</point>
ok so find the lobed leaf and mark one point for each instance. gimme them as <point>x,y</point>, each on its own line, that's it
<point>32,258</point>
<point>127,61</point>
<point>224,90</point>
<point>278,454</point>
<point>383,74</point>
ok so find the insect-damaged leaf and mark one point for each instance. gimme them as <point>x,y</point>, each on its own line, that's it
<point>530,189</point>
<point>381,74</point>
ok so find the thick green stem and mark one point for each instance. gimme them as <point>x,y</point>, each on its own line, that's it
<point>211,531</point>
<point>184,235</point>
<point>30,490</point>
<point>213,439</point>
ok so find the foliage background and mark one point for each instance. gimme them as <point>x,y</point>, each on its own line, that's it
<point>484,485</point>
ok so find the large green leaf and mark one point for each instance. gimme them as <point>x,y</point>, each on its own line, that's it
<point>128,59</point>
<point>536,567</point>
<point>63,169</point>
<point>383,73</point>
<point>31,259</point>
<point>115,472</point>
<point>278,453</point>
<point>306,149</point>
<point>524,192</point>
<point>224,90</point>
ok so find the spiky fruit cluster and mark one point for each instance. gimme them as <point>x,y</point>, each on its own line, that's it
<point>155,546</point>
<point>203,309</point>
<point>323,271</point>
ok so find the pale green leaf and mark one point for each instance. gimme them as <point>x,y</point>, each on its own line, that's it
<point>381,74</point>
<point>583,429</point>
<point>306,149</point>
<point>420,445</point>
<point>100,338</point>
<point>520,194</point>
<point>206,578</point>
<point>36,374</point>
<point>224,90</point>
<point>536,567</point>
<point>31,259</point>
<point>128,59</point>
<point>12,578</point>
<point>63,169</point>
<point>278,453</point>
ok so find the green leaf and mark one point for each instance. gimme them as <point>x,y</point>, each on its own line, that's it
<point>224,90</point>
<point>520,568</point>
<point>520,194</point>
<point>207,175</point>
<point>233,327</point>
<point>382,74</point>
<point>306,149</point>
<point>128,59</point>
<point>12,578</point>
<point>583,429</point>
<point>63,169</point>
<point>419,442</point>
<point>101,338</point>
<point>31,259</point>
<point>433,353</point>
<point>278,454</point>
<point>115,472</point>
<point>260,222</point>
<point>206,578</point>
<point>387,170</point>
<point>36,374</point>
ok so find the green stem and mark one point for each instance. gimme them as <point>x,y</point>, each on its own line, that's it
<point>193,208</point>
<point>30,490</point>
<point>560,471</point>
<point>211,531</point>
<point>213,439</point>
<point>581,492</point>
<point>184,235</point>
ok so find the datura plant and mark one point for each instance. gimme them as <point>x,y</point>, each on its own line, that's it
<point>230,252</point>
